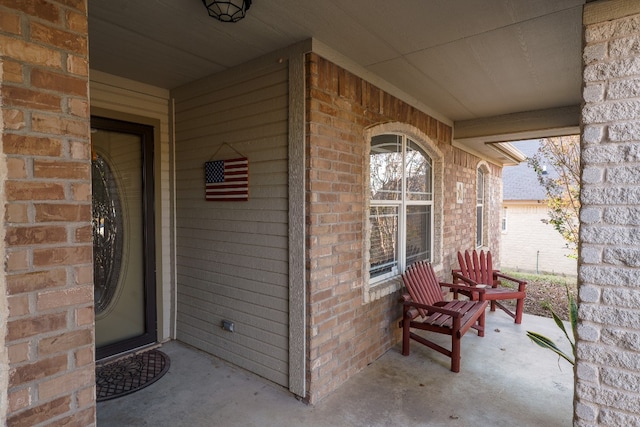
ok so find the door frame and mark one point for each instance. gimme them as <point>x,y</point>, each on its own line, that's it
<point>146,134</point>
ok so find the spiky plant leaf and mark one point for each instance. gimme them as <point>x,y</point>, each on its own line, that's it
<point>548,343</point>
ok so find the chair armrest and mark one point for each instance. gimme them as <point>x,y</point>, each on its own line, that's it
<point>521,283</point>
<point>480,290</point>
<point>432,309</point>
<point>457,274</point>
<point>410,312</point>
<point>469,282</point>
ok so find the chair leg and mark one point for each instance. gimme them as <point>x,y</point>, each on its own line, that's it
<point>481,324</point>
<point>406,335</point>
<point>493,306</point>
<point>519,309</point>
<point>455,352</point>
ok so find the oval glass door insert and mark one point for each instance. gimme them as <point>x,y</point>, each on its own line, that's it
<point>107,233</point>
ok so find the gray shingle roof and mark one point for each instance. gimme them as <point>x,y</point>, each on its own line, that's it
<point>521,182</point>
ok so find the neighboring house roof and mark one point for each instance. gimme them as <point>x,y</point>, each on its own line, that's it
<point>521,182</point>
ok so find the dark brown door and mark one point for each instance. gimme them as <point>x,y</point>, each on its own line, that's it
<point>123,236</point>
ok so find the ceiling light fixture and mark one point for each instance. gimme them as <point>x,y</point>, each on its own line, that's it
<point>227,10</point>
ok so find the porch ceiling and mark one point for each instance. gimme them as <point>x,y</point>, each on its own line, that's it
<point>466,59</point>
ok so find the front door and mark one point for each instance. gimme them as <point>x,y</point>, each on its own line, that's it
<point>123,235</point>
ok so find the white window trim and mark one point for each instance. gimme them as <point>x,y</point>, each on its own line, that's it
<point>379,289</point>
<point>480,173</point>
<point>483,166</point>
<point>399,205</point>
<point>504,219</point>
<point>402,205</point>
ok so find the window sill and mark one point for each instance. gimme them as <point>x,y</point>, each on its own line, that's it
<point>383,288</point>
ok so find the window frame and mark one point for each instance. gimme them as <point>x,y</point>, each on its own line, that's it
<point>481,196</point>
<point>373,292</point>
<point>504,220</point>
<point>402,204</point>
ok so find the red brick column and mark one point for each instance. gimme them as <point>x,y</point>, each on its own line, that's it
<point>48,271</point>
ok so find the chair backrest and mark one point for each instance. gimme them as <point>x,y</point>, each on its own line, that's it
<point>423,284</point>
<point>477,268</point>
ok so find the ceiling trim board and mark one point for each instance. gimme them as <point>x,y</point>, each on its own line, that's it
<point>108,79</point>
<point>523,125</point>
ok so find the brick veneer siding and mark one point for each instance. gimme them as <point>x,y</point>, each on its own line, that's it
<point>608,373</point>
<point>48,270</point>
<point>345,333</point>
<point>532,245</point>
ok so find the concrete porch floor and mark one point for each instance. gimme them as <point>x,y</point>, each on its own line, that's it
<point>505,380</point>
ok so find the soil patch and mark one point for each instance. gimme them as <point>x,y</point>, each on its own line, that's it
<point>546,292</point>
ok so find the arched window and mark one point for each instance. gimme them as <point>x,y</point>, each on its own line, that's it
<point>401,212</point>
<point>480,208</point>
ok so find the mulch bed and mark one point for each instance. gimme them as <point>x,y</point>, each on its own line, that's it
<point>544,294</point>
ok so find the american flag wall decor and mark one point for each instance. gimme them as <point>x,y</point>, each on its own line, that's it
<point>227,180</point>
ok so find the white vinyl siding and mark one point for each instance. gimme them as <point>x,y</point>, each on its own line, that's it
<point>232,259</point>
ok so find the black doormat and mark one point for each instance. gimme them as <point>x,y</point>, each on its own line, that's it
<point>129,374</point>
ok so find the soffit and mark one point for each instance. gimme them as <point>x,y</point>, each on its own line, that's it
<point>465,59</point>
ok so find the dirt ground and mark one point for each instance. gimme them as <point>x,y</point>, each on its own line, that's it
<point>547,291</point>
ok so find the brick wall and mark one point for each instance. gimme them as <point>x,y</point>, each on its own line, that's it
<point>48,269</point>
<point>532,245</point>
<point>345,333</point>
<point>608,374</point>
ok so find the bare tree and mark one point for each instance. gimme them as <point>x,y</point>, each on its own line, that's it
<point>557,164</point>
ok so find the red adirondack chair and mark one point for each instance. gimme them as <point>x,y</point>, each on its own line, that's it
<point>424,309</point>
<point>477,273</point>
